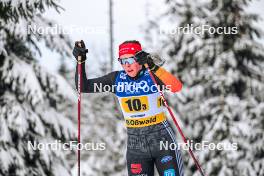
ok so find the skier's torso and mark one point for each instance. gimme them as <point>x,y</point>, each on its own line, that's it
<point>139,99</point>
<point>147,127</point>
<point>140,102</point>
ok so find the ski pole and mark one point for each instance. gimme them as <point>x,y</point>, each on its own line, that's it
<point>175,121</point>
<point>79,111</point>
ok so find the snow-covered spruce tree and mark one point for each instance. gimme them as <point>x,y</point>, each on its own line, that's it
<point>33,101</point>
<point>222,100</point>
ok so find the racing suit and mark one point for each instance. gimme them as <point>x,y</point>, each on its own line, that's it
<point>150,135</point>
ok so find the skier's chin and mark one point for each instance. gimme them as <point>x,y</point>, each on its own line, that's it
<point>131,73</point>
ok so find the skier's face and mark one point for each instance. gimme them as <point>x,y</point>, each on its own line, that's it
<point>131,69</point>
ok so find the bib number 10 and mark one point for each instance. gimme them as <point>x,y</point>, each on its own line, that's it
<point>136,104</point>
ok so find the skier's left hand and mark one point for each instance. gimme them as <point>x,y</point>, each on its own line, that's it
<point>143,57</point>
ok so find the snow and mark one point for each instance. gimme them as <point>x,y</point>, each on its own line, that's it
<point>24,74</point>
<point>5,159</point>
<point>60,171</point>
<point>35,104</point>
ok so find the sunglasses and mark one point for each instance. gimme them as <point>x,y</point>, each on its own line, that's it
<point>129,60</point>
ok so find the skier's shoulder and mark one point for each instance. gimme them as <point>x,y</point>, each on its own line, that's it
<point>112,75</point>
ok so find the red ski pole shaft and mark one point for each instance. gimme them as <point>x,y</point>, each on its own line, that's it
<point>79,111</point>
<point>175,121</point>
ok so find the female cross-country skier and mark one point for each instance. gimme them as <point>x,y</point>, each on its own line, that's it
<point>142,108</point>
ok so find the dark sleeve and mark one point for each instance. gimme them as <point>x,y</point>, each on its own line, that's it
<point>96,85</point>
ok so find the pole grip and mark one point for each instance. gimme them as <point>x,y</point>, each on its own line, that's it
<point>79,59</point>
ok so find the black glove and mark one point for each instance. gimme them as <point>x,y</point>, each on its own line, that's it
<point>143,57</point>
<point>80,50</point>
